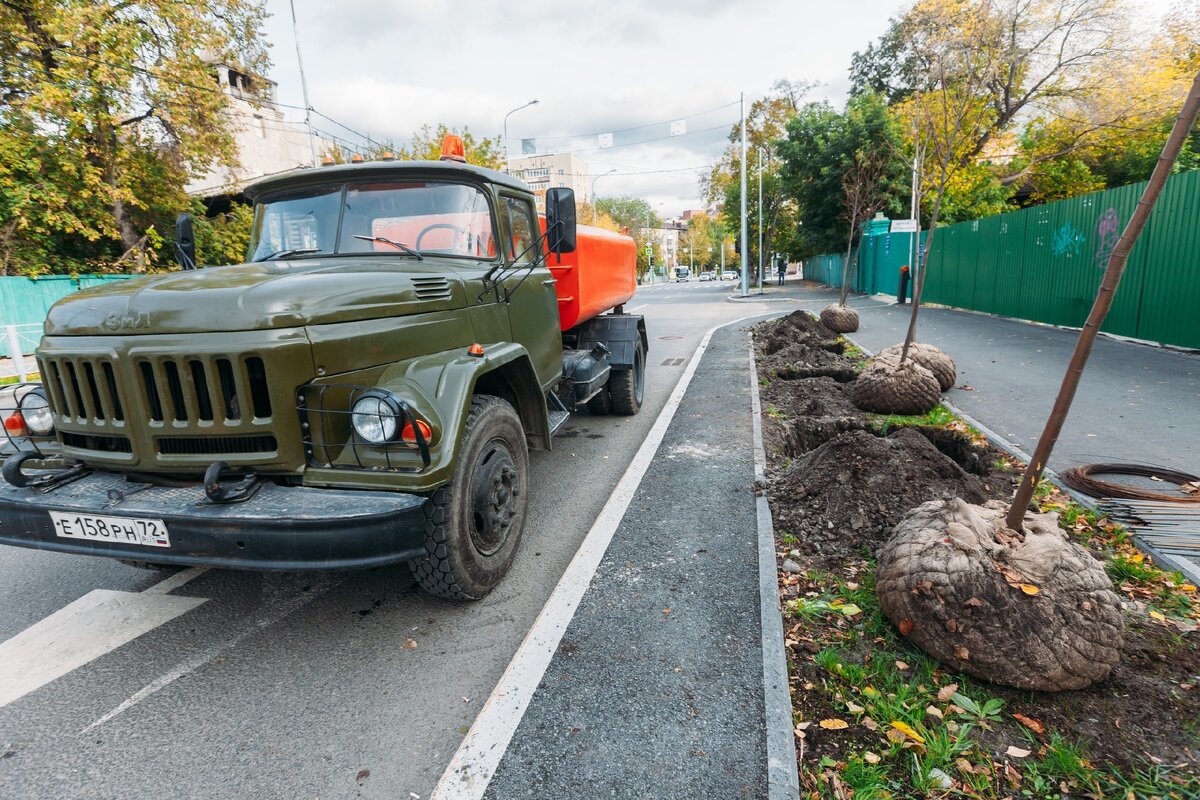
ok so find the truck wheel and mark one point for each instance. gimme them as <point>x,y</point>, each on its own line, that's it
<point>627,387</point>
<point>473,524</point>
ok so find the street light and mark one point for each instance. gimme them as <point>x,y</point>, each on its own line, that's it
<point>593,198</point>
<point>506,116</point>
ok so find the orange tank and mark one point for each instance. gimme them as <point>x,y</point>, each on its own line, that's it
<point>601,274</point>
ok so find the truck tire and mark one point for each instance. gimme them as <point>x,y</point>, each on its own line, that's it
<point>627,387</point>
<point>473,524</point>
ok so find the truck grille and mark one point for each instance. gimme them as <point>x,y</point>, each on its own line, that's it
<point>215,445</point>
<point>83,388</point>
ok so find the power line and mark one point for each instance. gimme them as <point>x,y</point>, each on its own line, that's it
<point>642,141</point>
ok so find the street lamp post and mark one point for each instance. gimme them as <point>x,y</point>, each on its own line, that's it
<point>761,156</point>
<point>593,197</point>
<point>533,102</point>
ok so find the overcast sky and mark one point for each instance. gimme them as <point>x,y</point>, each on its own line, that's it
<point>386,67</point>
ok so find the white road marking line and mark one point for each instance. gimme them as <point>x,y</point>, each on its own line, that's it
<point>272,612</point>
<point>173,582</point>
<point>95,624</point>
<point>475,762</point>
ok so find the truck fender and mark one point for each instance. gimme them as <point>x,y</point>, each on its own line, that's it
<point>617,332</point>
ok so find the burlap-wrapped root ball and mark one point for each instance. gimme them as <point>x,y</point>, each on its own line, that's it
<point>1036,612</point>
<point>885,387</point>
<point>929,357</point>
<point>839,319</point>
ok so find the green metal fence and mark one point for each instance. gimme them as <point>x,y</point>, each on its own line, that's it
<point>25,301</point>
<point>1045,263</point>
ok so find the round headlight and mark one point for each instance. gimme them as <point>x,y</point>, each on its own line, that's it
<point>36,412</point>
<point>374,418</point>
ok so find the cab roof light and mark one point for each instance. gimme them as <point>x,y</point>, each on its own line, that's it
<point>475,350</point>
<point>453,149</point>
<point>356,158</point>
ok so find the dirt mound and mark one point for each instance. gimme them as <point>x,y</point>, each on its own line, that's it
<point>799,327</point>
<point>846,495</point>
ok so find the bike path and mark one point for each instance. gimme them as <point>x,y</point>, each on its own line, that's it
<point>656,689</point>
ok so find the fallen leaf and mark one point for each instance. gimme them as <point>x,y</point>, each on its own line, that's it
<point>1187,587</point>
<point>962,653</point>
<point>799,733</point>
<point>870,724</point>
<point>870,757</point>
<point>1016,752</point>
<point>1137,558</point>
<point>850,610</point>
<point>933,711</point>
<point>834,724</point>
<point>1029,588</point>
<point>872,692</point>
<point>802,726</point>
<point>854,708</point>
<point>1156,615</point>
<point>973,602</point>
<point>851,585</point>
<point>409,644</point>
<point>946,692</point>
<point>908,731</point>
<point>906,627</point>
<point>900,665</point>
<point>1029,722</point>
<point>363,774</point>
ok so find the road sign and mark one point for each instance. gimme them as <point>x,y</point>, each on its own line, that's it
<point>904,226</point>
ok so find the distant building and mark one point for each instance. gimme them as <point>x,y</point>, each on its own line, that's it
<point>553,170</point>
<point>668,236</point>
<point>266,143</point>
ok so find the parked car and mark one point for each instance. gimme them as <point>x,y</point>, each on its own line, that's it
<point>729,275</point>
<point>708,276</point>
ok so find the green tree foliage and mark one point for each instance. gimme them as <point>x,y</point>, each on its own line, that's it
<point>108,108</point>
<point>222,238</point>
<point>821,146</point>
<point>635,216</point>
<point>706,236</point>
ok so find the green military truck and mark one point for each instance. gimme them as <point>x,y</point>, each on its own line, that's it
<point>363,391</point>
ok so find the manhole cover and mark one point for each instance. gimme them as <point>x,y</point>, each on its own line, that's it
<point>670,337</point>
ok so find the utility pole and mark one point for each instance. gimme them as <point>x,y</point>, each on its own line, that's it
<point>312,144</point>
<point>760,221</point>
<point>745,259</point>
<point>533,102</point>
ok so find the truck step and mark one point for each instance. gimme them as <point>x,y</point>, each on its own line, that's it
<point>557,420</point>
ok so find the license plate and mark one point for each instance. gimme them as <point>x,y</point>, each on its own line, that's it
<point>116,530</point>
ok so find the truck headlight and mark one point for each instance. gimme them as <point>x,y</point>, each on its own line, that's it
<point>35,409</point>
<point>375,417</point>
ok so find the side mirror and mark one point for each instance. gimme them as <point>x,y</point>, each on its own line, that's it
<point>560,220</point>
<point>185,242</point>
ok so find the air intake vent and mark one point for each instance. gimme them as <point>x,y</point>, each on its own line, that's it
<point>432,288</point>
<point>215,445</point>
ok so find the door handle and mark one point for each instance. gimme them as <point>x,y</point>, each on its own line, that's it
<point>549,281</point>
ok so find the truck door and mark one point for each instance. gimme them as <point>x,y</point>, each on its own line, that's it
<point>533,308</point>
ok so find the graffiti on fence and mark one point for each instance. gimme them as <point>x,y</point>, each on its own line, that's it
<point>1067,241</point>
<point>1108,232</point>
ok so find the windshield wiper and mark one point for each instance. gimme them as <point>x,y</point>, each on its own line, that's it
<point>288,253</point>
<point>398,245</point>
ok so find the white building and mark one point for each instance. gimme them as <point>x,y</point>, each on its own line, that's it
<point>553,170</point>
<point>266,143</point>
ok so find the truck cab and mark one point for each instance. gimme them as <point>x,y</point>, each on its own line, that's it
<point>364,390</point>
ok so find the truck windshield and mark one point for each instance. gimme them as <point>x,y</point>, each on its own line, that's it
<point>428,216</point>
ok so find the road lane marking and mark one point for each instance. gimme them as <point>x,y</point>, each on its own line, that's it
<point>279,605</point>
<point>471,769</point>
<point>95,624</point>
<point>173,582</point>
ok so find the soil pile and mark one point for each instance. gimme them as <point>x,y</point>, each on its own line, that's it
<point>848,494</point>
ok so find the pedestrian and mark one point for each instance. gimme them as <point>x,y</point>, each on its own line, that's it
<point>782,271</point>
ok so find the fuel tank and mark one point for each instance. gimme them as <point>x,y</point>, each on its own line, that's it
<point>601,274</point>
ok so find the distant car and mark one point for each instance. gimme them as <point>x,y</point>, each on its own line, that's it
<point>708,276</point>
<point>682,274</point>
<point>729,275</point>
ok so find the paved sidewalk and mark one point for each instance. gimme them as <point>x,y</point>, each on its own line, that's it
<point>657,688</point>
<point>1136,402</point>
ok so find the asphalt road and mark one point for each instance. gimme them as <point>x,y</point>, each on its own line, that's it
<point>296,685</point>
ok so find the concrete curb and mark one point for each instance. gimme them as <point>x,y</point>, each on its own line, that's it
<point>783,778</point>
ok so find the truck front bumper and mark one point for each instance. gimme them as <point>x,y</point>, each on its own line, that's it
<point>279,528</point>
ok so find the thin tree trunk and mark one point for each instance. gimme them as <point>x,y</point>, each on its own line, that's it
<point>919,281</point>
<point>1104,301</point>
<point>846,267</point>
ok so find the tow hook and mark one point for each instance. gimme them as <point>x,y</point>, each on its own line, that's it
<point>13,474</point>
<point>238,492</point>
